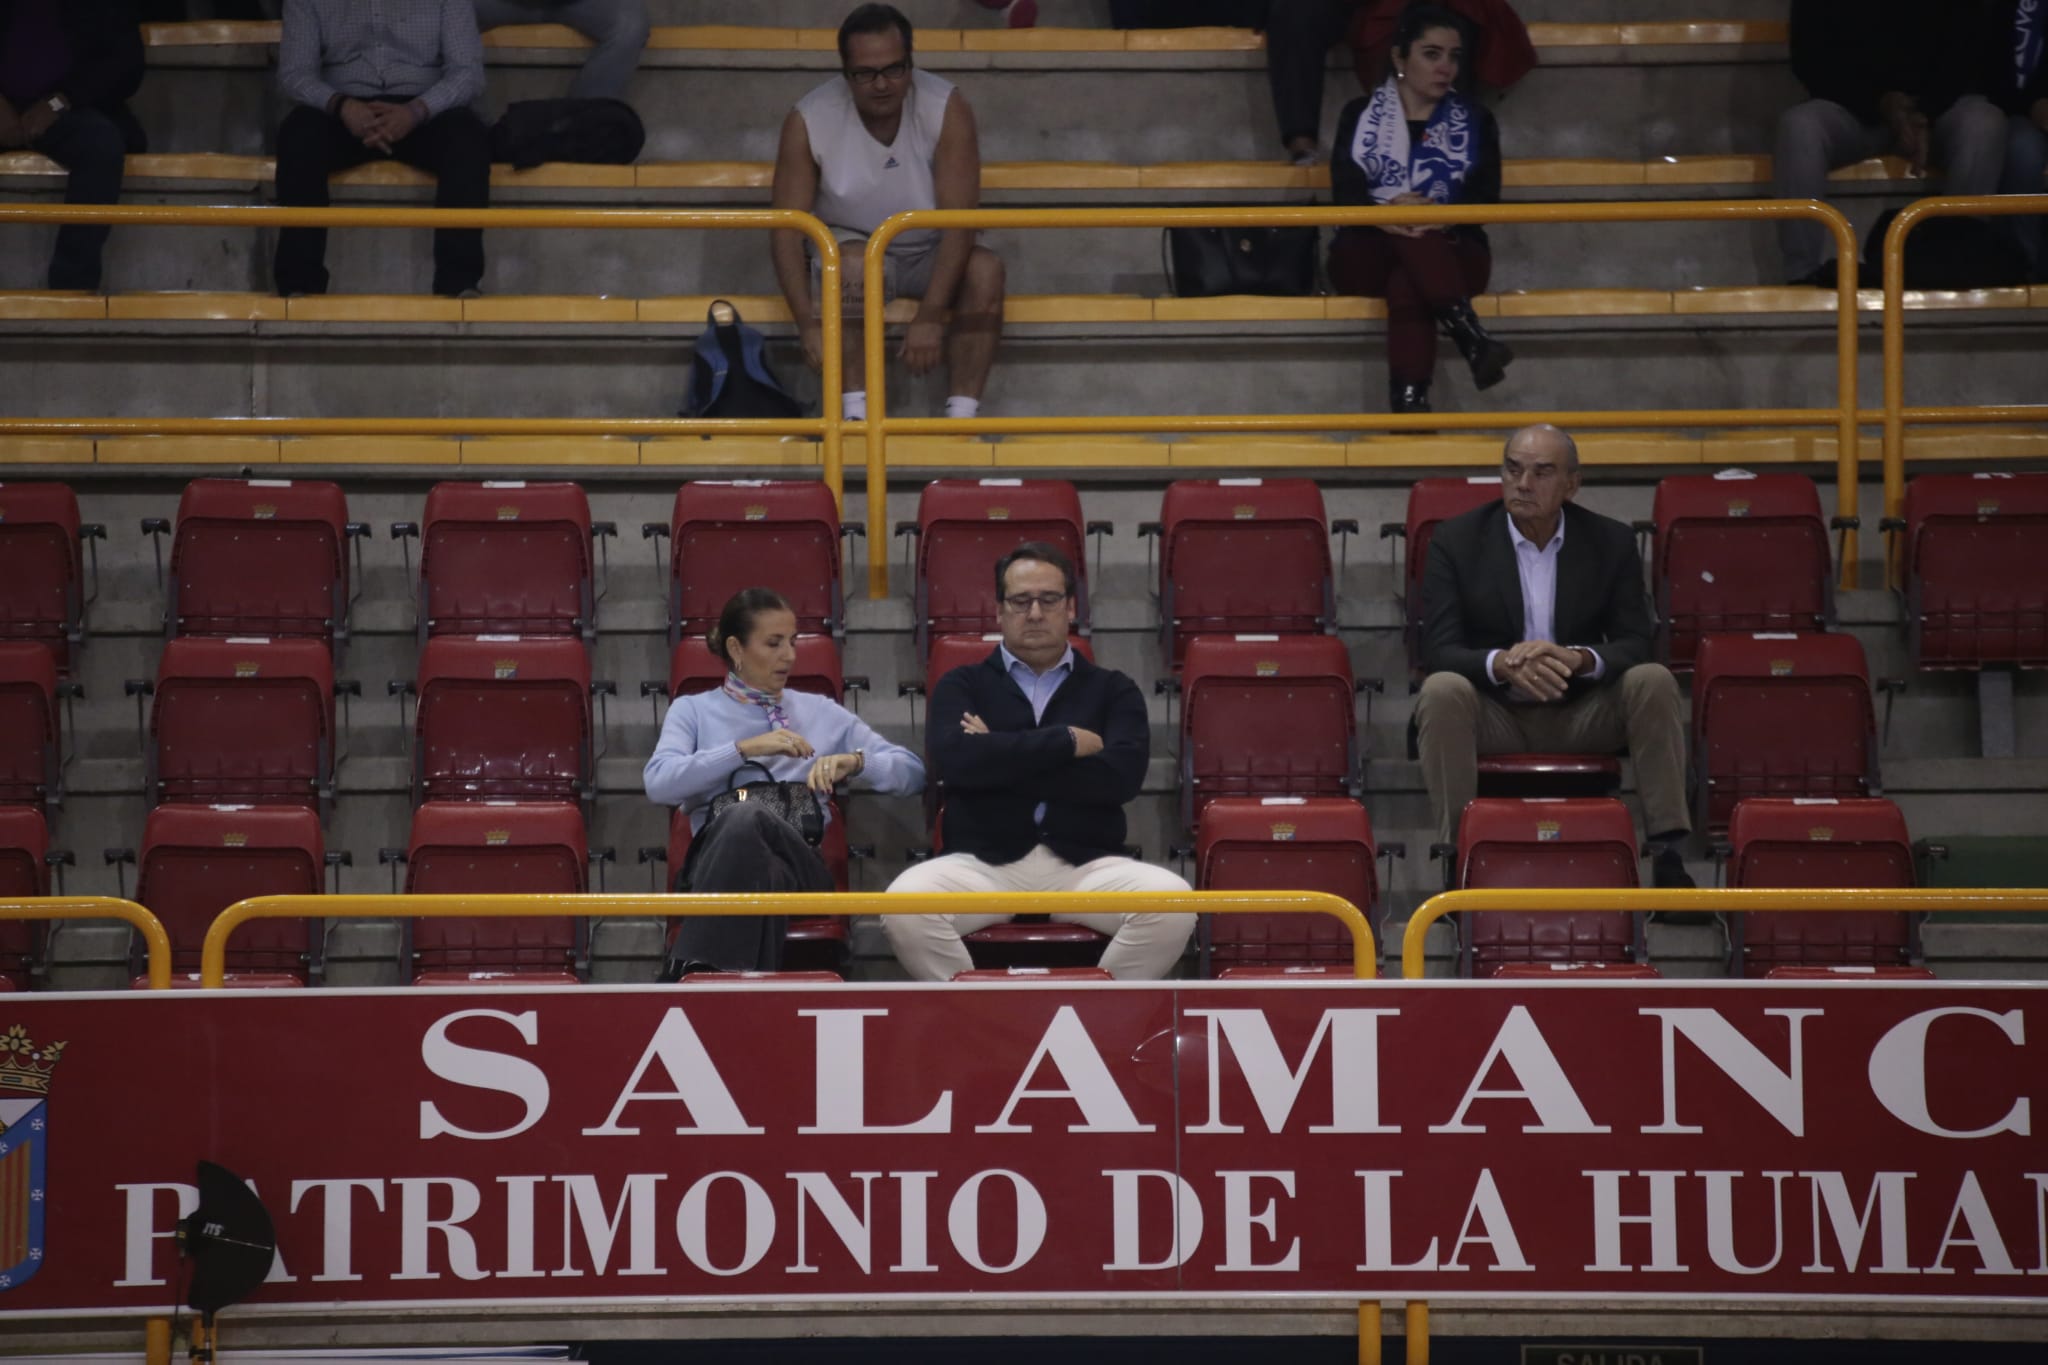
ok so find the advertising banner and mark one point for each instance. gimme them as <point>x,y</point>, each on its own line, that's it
<point>1372,1139</point>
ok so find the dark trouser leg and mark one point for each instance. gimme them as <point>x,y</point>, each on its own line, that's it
<point>745,849</point>
<point>92,146</point>
<point>455,148</point>
<point>311,145</point>
<point>1299,36</point>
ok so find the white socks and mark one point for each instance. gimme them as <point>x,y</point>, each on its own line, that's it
<point>853,406</point>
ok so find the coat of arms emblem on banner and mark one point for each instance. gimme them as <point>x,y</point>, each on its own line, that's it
<point>25,1070</point>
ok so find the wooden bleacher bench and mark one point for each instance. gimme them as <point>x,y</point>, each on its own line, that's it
<point>745,38</point>
<point>1021,309</point>
<point>1811,449</point>
<point>1552,173</point>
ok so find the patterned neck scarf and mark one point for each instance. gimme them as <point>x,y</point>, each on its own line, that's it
<point>771,702</point>
<point>2028,32</point>
<point>1436,170</point>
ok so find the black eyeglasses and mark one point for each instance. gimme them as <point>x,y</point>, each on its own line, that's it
<point>868,75</point>
<point>1022,602</point>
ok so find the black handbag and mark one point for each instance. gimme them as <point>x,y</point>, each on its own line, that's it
<point>596,131</point>
<point>794,802</point>
<point>1205,261</point>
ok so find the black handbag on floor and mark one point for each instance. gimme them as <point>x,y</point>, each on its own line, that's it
<point>794,802</point>
<point>1205,261</point>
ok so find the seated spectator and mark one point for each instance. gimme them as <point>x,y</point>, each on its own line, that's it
<point>392,80</point>
<point>67,68</point>
<point>1416,140</point>
<point>879,139</point>
<point>1300,34</point>
<point>1884,76</point>
<point>1537,635</point>
<point>1039,751</point>
<point>2015,78</point>
<point>706,743</point>
<point>617,30</point>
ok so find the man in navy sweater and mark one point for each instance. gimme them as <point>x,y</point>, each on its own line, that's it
<point>1037,751</point>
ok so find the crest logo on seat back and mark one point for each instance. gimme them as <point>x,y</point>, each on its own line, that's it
<point>25,1070</point>
<point>504,669</point>
<point>508,513</point>
<point>1282,832</point>
<point>1548,831</point>
<point>755,511</point>
<point>1781,668</point>
<point>1244,511</point>
<point>1738,507</point>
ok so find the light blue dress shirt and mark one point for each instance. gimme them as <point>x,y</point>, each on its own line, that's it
<point>1037,689</point>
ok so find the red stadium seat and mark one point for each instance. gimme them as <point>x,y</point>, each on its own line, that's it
<point>1848,973</point>
<point>1050,976</point>
<point>1285,843</point>
<point>1243,555</point>
<point>24,844</point>
<point>243,720</point>
<point>42,573</point>
<point>503,848</point>
<point>260,557</point>
<point>1737,552</point>
<point>1321,971</point>
<point>1430,503</point>
<point>503,717</point>
<point>1780,715</point>
<point>31,736</point>
<point>691,668</point>
<point>1583,842</point>
<point>1266,715</point>
<point>506,558</point>
<point>1823,843</point>
<point>1975,569</point>
<point>799,978</point>
<point>811,942</point>
<point>1029,941</point>
<point>965,525</point>
<point>725,536</point>
<point>196,861</point>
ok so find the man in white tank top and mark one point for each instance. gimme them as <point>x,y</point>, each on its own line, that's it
<point>880,139</point>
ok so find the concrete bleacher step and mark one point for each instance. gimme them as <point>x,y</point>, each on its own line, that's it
<point>1040,94</point>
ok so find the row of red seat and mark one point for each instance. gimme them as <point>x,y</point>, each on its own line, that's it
<point>1732,552</point>
<point>195,860</point>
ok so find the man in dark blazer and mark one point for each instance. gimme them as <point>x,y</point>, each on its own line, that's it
<point>67,71</point>
<point>1537,636</point>
<point>1038,751</point>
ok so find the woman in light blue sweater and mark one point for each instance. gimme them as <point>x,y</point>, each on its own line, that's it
<point>705,744</point>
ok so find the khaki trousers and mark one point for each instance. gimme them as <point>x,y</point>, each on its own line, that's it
<point>1456,722</point>
<point>1142,947</point>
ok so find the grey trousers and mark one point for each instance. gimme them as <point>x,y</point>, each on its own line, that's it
<point>1821,136</point>
<point>617,27</point>
<point>2026,172</point>
<point>1455,723</point>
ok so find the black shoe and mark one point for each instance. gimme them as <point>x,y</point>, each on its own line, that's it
<point>1408,398</point>
<point>1488,357</point>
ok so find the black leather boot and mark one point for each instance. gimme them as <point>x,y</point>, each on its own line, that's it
<point>1488,357</point>
<point>1408,397</point>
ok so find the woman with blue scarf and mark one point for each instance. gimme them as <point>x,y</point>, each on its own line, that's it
<point>755,718</point>
<point>1417,140</point>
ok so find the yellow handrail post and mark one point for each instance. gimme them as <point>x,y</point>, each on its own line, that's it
<point>875,360</point>
<point>1417,1327</point>
<point>1725,901</point>
<point>831,368</point>
<point>156,1341</point>
<point>155,940</point>
<point>1848,442</point>
<point>1909,217</point>
<point>1370,1343</point>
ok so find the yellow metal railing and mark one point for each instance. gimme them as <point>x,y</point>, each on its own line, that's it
<point>828,426</point>
<point>1724,901</point>
<point>1842,416</point>
<point>154,938</point>
<point>213,954</point>
<point>1896,413</point>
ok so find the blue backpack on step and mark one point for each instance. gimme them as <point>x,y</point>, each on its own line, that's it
<point>729,374</point>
